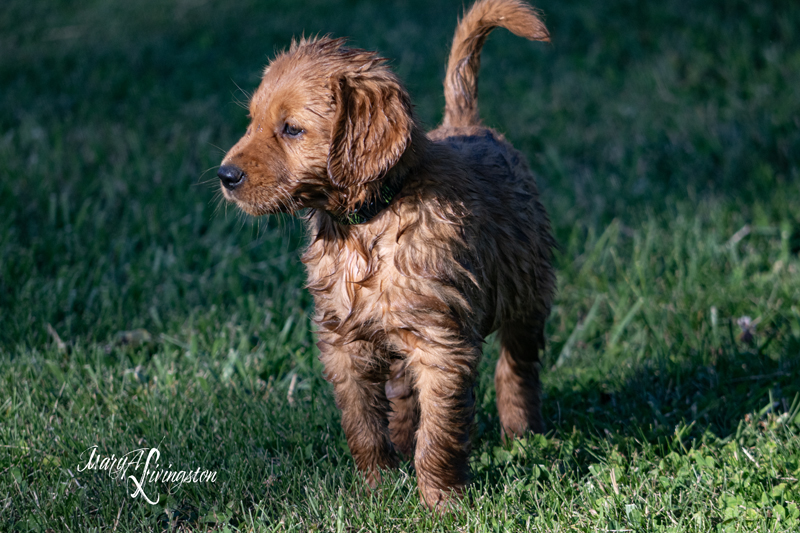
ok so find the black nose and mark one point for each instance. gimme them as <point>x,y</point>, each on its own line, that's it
<point>231,176</point>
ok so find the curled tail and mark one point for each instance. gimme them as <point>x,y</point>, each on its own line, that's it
<point>461,81</point>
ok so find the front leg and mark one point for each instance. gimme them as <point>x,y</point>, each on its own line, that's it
<point>358,374</point>
<point>445,369</point>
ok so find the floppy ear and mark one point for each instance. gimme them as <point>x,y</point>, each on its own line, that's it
<point>371,129</point>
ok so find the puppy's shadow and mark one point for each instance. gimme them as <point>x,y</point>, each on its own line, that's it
<point>658,406</point>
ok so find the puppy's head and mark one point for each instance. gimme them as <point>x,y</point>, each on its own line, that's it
<point>327,124</point>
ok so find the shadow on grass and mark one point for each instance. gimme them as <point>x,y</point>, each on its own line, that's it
<point>653,408</point>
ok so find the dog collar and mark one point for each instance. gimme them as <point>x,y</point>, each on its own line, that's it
<point>368,210</point>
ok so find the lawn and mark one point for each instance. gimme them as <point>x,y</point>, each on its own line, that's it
<point>138,311</point>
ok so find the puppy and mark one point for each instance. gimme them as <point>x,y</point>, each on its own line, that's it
<point>421,244</point>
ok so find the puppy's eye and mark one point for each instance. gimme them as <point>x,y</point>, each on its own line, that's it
<point>290,130</point>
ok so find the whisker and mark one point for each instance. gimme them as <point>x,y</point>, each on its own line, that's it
<point>244,105</point>
<point>222,150</point>
<point>209,181</point>
<point>220,201</point>
<point>206,182</point>
<point>247,94</point>
<point>242,216</point>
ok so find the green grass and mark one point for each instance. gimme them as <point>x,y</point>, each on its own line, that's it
<point>666,141</point>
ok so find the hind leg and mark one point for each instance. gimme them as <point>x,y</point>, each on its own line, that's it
<point>404,414</point>
<point>516,378</point>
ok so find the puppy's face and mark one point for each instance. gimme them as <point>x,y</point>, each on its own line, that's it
<point>325,121</point>
<point>285,147</point>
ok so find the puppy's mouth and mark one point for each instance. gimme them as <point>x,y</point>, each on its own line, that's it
<point>232,183</point>
<point>244,206</point>
<point>259,206</point>
<point>257,200</point>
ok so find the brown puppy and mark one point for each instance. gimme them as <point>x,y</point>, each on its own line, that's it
<point>421,244</point>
